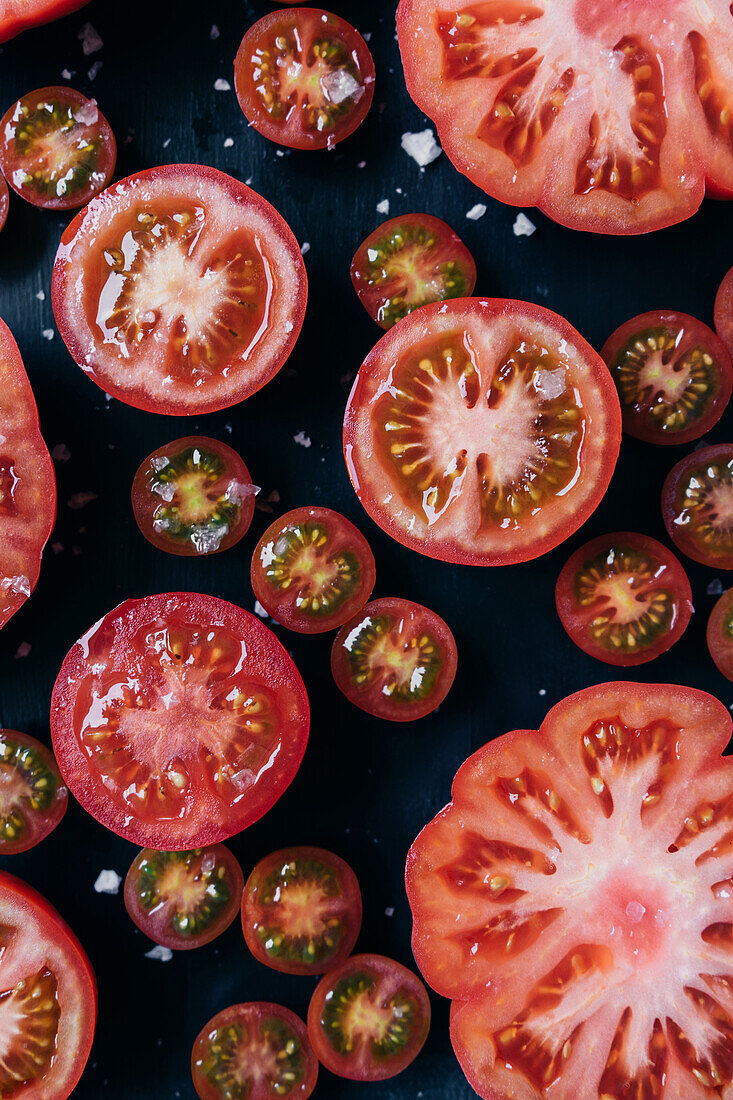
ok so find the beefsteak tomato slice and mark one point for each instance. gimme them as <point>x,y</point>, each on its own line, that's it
<point>33,797</point>
<point>18,15</point>
<point>720,634</point>
<point>697,505</point>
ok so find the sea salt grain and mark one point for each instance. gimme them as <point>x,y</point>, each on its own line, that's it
<point>108,882</point>
<point>228,142</point>
<point>67,74</point>
<point>48,334</point>
<point>422,147</point>
<point>221,85</point>
<point>389,912</point>
<point>61,453</point>
<point>41,295</point>
<point>214,33</point>
<point>339,85</point>
<point>523,227</point>
<point>476,212</point>
<point>383,206</point>
<point>94,71</point>
<point>305,247</point>
<point>302,439</point>
<point>80,500</point>
<point>23,650</point>
<point>161,954</point>
<point>90,40</point>
<point>715,588</point>
<point>260,610</point>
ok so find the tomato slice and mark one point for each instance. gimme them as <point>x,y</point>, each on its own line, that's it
<point>724,311</point>
<point>624,598</point>
<point>18,15</point>
<point>697,505</point>
<point>193,496</point>
<point>178,720</point>
<point>481,431</point>
<point>720,634</point>
<point>4,201</point>
<point>33,797</point>
<point>255,1051</point>
<point>395,659</point>
<point>410,262</point>
<point>301,911</point>
<point>369,1018</point>
<point>179,290</point>
<point>574,901</point>
<point>674,376</point>
<point>27,483</point>
<point>304,78</point>
<point>312,570</point>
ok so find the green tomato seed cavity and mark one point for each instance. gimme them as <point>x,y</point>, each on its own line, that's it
<point>158,873</point>
<point>29,766</point>
<point>190,512</point>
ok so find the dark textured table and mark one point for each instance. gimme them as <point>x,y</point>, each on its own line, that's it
<point>366,787</point>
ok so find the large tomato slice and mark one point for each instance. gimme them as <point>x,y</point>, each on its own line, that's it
<point>482,431</point>
<point>18,15</point>
<point>179,290</point>
<point>178,720</point>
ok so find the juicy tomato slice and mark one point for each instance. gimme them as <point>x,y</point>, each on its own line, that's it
<point>697,505</point>
<point>395,659</point>
<point>304,78</point>
<point>481,431</point>
<point>18,15</point>
<point>255,1051</point>
<point>179,290</point>
<point>624,598</point>
<point>720,634</point>
<point>312,570</point>
<point>27,483</point>
<point>410,262</point>
<point>301,911</point>
<point>369,1018</point>
<point>57,149</point>
<point>4,201</point>
<point>724,311</point>
<point>674,376</point>
<point>574,901</point>
<point>33,797</point>
<point>193,496</point>
<point>178,720</point>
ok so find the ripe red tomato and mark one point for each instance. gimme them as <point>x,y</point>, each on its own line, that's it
<point>624,598</point>
<point>179,290</point>
<point>574,901</point>
<point>178,720</point>
<point>481,431</point>
<point>720,634</point>
<point>724,311</point>
<point>369,1018</point>
<point>304,78</point>
<point>301,911</point>
<point>18,15</point>
<point>674,376</point>
<point>4,201</point>
<point>193,496</point>
<point>395,659</point>
<point>697,505</point>
<point>57,149</point>
<point>312,570</point>
<point>27,483</point>
<point>32,794</point>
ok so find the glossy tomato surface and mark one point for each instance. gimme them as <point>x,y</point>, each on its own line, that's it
<point>304,78</point>
<point>179,290</point>
<point>18,15</point>
<point>4,201</point>
<point>697,505</point>
<point>301,911</point>
<point>312,570</point>
<point>178,720</point>
<point>724,311</point>
<point>481,431</point>
<point>720,634</point>
<point>33,796</point>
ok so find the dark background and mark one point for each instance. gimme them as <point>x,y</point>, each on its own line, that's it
<point>366,787</point>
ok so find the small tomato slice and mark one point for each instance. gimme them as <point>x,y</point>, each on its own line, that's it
<point>410,262</point>
<point>301,911</point>
<point>304,78</point>
<point>4,201</point>
<point>193,496</point>
<point>720,634</point>
<point>312,570</point>
<point>178,720</point>
<point>724,311</point>
<point>673,374</point>
<point>697,505</point>
<point>395,659</point>
<point>255,1051</point>
<point>369,1018</point>
<point>33,797</point>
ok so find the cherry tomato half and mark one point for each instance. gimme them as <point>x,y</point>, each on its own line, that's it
<point>724,311</point>
<point>697,505</point>
<point>32,794</point>
<point>4,201</point>
<point>720,634</point>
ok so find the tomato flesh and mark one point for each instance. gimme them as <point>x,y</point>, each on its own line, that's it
<point>19,15</point>
<point>33,797</point>
<point>178,720</point>
<point>724,311</point>
<point>4,201</point>
<point>720,634</point>
<point>697,505</point>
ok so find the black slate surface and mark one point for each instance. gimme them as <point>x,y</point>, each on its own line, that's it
<point>366,788</point>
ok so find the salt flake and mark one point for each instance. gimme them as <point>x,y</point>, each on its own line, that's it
<point>214,32</point>
<point>23,650</point>
<point>715,588</point>
<point>302,439</point>
<point>422,147</point>
<point>67,74</point>
<point>161,954</point>
<point>340,85</point>
<point>228,142</point>
<point>383,206</point>
<point>108,882</point>
<point>41,295</point>
<point>260,610</point>
<point>476,212</point>
<point>389,912</point>
<point>523,227</point>
<point>94,71</point>
<point>305,247</point>
<point>91,41</point>
<point>222,85</point>
<point>48,334</point>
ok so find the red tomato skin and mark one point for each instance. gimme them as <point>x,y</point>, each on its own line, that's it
<point>4,201</point>
<point>43,823</point>
<point>27,15</point>
<point>721,647</point>
<point>688,545</point>
<point>723,311</point>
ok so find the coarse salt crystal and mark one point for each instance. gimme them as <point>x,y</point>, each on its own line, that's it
<point>80,500</point>
<point>339,85</point>
<point>166,143</point>
<point>161,954</point>
<point>23,650</point>
<point>715,588</point>
<point>87,114</point>
<point>90,39</point>
<point>383,206</point>
<point>302,439</point>
<point>222,85</point>
<point>389,912</point>
<point>108,882</point>
<point>523,227</point>
<point>61,453</point>
<point>422,147</point>
<point>94,71</point>
<point>48,334</point>
<point>305,247</point>
<point>214,32</point>
<point>67,74</point>
<point>260,610</point>
<point>476,212</point>
<point>41,295</point>
<point>228,142</point>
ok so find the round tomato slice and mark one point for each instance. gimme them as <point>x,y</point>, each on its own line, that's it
<point>254,1051</point>
<point>674,376</point>
<point>33,797</point>
<point>574,901</point>
<point>395,659</point>
<point>304,78</point>
<point>18,15</point>
<point>624,598</point>
<point>697,505</point>
<point>724,311</point>
<point>4,201</point>
<point>179,290</point>
<point>193,496</point>
<point>410,262</point>
<point>369,1018</point>
<point>301,911</point>
<point>312,570</point>
<point>481,431</point>
<point>720,634</point>
<point>57,149</point>
<point>178,720</point>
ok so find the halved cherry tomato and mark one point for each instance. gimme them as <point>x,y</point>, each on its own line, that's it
<point>179,290</point>
<point>27,483</point>
<point>369,1018</point>
<point>395,659</point>
<point>184,899</point>
<point>697,505</point>
<point>724,311</point>
<point>574,901</point>
<point>33,797</point>
<point>624,598</point>
<point>193,496</point>
<point>57,149</point>
<point>18,15</point>
<point>304,78</point>
<point>178,720</point>
<point>482,431</point>
<point>4,201</point>
<point>254,1051</point>
<point>674,376</point>
<point>410,262</point>
<point>720,634</point>
<point>312,570</point>
<point>301,911</point>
